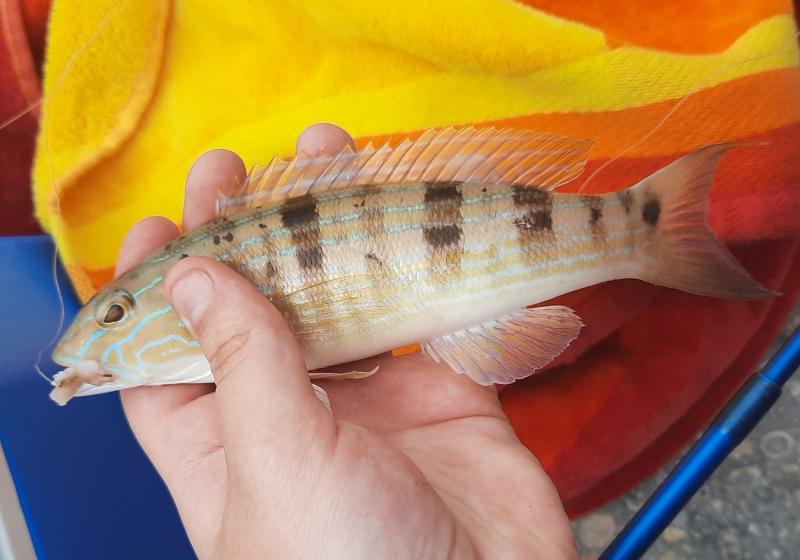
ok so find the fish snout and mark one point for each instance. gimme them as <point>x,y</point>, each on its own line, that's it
<point>83,377</point>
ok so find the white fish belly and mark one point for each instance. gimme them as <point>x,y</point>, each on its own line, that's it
<point>452,311</point>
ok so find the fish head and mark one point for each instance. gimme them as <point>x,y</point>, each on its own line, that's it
<point>127,335</point>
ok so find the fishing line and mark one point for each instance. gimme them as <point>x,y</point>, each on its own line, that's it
<point>54,265</point>
<point>21,113</point>
<point>56,235</point>
<point>67,67</point>
<point>722,68</point>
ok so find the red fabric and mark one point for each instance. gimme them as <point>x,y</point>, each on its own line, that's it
<point>654,365</point>
<point>19,90</point>
<point>757,336</point>
<point>34,15</point>
<point>646,389</point>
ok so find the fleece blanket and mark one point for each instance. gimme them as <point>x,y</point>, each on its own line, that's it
<point>22,28</point>
<point>135,90</point>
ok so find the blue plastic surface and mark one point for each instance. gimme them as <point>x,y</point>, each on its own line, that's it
<point>86,488</point>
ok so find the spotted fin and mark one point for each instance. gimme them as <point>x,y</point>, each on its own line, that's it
<point>509,348</point>
<point>477,155</point>
<point>685,254</point>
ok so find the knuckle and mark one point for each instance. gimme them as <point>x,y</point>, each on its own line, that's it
<point>228,350</point>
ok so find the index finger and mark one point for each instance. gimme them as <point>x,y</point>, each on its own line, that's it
<point>217,172</point>
<point>213,174</point>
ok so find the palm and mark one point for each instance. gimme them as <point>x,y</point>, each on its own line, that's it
<point>437,427</point>
<point>409,392</point>
<point>440,430</point>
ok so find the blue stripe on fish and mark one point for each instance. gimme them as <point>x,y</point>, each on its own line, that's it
<point>117,346</point>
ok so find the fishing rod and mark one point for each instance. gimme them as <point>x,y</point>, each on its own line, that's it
<point>728,429</point>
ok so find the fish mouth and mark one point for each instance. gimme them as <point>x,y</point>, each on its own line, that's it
<point>63,360</point>
<point>88,377</point>
<point>85,377</point>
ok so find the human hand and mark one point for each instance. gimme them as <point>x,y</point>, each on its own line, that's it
<point>414,462</point>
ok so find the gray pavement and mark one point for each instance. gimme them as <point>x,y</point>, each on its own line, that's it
<point>750,509</point>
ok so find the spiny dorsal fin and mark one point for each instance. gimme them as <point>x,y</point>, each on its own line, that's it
<point>509,348</point>
<point>477,155</point>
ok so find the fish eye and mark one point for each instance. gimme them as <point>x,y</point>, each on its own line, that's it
<point>114,314</point>
<point>114,310</point>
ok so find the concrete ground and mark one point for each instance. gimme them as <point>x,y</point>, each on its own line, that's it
<point>750,509</point>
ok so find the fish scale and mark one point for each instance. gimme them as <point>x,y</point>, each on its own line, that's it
<point>435,253</point>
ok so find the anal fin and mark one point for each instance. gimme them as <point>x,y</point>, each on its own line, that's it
<point>508,348</point>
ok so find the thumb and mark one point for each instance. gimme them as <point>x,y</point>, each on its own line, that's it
<point>263,390</point>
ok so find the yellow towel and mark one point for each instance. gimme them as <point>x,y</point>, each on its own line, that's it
<point>135,90</point>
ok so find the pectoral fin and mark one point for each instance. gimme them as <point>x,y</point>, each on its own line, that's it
<point>508,348</point>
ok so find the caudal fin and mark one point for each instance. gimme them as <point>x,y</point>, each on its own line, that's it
<point>685,253</point>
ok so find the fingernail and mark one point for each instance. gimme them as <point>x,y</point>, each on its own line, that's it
<point>191,294</point>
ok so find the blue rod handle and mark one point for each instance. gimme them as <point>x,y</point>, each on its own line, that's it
<point>731,426</point>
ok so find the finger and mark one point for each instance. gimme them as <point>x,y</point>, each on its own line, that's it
<point>173,436</point>
<point>142,239</point>
<point>186,449</point>
<point>218,171</point>
<point>146,407</point>
<point>263,390</point>
<point>213,174</point>
<point>323,138</point>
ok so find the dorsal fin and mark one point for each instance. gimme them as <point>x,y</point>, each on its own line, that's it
<point>484,155</point>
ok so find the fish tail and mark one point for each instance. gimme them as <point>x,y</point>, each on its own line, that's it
<point>685,254</point>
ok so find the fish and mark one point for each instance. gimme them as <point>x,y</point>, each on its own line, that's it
<point>448,241</point>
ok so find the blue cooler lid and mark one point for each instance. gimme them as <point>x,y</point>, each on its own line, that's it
<point>85,487</point>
